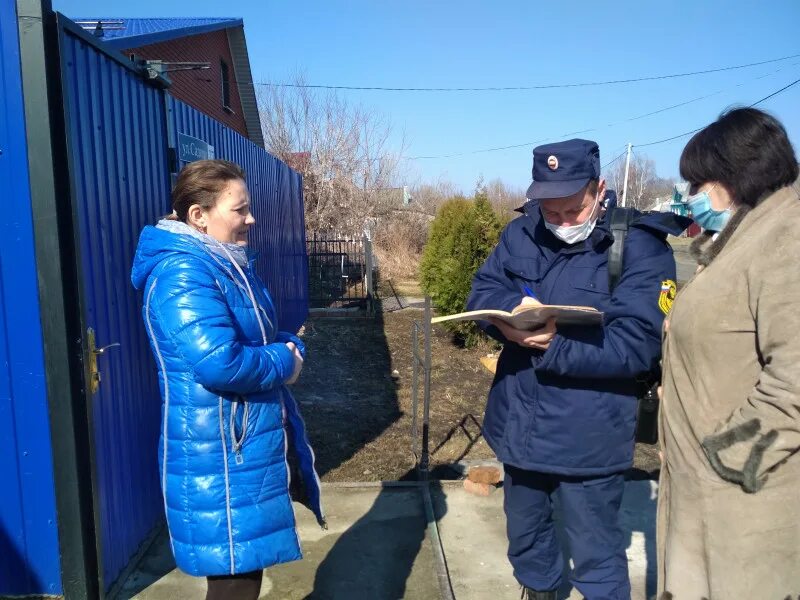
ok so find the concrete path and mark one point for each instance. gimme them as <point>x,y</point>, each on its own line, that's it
<point>377,548</point>
<point>684,263</point>
<point>393,303</point>
<point>473,535</point>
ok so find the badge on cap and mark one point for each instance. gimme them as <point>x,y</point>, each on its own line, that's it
<point>552,162</point>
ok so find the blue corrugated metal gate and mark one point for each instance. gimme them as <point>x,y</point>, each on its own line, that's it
<point>118,166</point>
<point>29,559</point>
<point>119,130</point>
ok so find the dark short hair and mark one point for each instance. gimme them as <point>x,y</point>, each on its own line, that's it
<point>201,182</point>
<point>747,150</point>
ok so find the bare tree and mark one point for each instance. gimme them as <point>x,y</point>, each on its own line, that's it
<point>343,151</point>
<point>429,196</point>
<point>644,186</point>
<point>504,198</point>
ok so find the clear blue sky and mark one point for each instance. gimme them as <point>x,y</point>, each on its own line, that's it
<point>425,43</point>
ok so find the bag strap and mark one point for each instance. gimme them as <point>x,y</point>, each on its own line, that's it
<point>620,222</point>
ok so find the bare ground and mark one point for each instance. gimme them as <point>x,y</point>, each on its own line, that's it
<point>355,394</point>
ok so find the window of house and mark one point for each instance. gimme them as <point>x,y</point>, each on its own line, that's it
<point>226,84</point>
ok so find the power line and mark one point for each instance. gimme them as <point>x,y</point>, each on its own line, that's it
<point>611,162</point>
<point>775,93</point>
<point>649,114</point>
<point>675,137</point>
<point>457,154</point>
<point>669,139</point>
<point>524,88</point>
<point>655,112</point>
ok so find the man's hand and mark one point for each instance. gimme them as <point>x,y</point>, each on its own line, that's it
<point>298,363</point>
<point>539,339</point>
<point>528,301</point>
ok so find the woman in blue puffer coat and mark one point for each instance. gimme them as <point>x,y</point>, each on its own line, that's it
<point>229,423</point>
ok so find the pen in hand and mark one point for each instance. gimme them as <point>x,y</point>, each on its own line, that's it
<point>529,293</point>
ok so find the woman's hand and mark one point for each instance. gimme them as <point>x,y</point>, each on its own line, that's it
<point>539,339</point>
<point>298,363</point>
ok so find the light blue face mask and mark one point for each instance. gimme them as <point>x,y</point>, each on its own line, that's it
<point>705,216</point>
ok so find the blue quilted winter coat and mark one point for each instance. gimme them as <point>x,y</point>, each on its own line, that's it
<point>228,421</point>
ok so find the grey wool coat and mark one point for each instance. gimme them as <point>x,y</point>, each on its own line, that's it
<point>729,503</point>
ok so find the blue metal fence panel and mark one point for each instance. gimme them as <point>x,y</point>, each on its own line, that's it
<point>277,199</point>
<point>29,555</point>
<point>116,132</point>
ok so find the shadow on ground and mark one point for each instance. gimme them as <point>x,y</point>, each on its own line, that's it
<point>346,392</point>
<point>384,554</point>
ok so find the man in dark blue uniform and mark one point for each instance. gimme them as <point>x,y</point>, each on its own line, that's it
<point>562,408</point>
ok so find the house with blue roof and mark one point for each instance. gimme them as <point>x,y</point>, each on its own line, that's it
<point>205,59</point>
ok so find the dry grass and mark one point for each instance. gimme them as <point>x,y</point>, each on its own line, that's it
<point>397,261</point>
<point>409,288</point>
<point>355,394</point>
<point>398,245</point>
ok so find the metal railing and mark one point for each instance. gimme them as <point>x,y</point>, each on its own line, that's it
<point>421,360</point>
<point>421,364</point>
<point>341,272</point>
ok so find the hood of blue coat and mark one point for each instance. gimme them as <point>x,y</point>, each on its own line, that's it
<point>169,237</point>
<point>156,245</point>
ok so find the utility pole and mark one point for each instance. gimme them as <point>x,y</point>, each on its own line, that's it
<point>627,167</point>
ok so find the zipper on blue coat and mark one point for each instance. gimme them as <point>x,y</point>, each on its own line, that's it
<point>237,441</point>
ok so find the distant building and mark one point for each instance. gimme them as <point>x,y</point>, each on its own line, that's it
<point>394,197</point>
<point>678,205</point>
<point>679,193</point>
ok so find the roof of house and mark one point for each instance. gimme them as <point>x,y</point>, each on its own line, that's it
<point>122,33</point>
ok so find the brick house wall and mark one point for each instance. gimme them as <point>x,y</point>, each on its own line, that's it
<point>201,89</point>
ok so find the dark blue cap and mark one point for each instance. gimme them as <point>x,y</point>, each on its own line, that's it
<point>563,169</point>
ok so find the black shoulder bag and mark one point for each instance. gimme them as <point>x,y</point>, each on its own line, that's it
<point>647,409</point>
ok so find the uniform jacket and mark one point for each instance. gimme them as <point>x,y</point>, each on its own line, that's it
<point>572,409</point>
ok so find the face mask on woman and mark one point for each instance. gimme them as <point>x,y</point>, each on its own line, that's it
<point>704,215</point>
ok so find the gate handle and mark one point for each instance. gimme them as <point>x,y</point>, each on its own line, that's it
<point>104,348</point>
<point>94,371</point>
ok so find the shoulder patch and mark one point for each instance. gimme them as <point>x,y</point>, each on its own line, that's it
<point>667,296</point>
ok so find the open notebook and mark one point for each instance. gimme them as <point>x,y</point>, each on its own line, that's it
<point>532,316</point>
